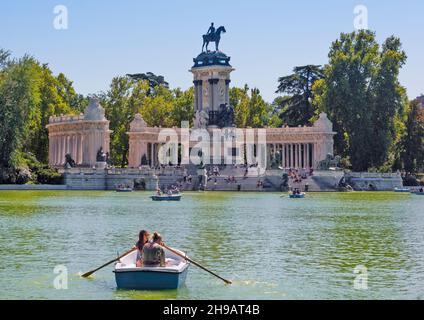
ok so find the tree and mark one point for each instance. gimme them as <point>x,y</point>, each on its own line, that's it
<point>120,113</point>
<point>297,108</point>
<point>183,106</point>
<point>19,98</point>
<point>249,110</point>
<point>412,155</point>
<point>361,95</point>
<point>154,80</point>
<point>4,58</point>
<point>239,100</point>
<point>54,100</point>
<point>389,100</point>
<point>258,110</point>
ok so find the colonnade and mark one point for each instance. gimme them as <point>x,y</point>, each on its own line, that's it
<point>291,155</point>
<point>62,144</point>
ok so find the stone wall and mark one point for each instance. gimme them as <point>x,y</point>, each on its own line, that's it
<point>109,179</point>
<point>374,181</point>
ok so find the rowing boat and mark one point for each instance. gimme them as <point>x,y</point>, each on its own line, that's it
<point>297,195</point>
<point>167,197</point>
<point>172,276</point>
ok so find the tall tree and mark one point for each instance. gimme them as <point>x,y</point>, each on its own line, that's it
<point>361,94</point>
<point>183,106</point>
<point>239,100</point>
<point>389,100</point>
<point>19,98</point>
<point>120,110</point>
<point>258,110</point>
<point>296,107</point>
<point>412,154</point>
<point>153,79</point>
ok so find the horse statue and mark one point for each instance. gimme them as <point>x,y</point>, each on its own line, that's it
<point>213,37</point>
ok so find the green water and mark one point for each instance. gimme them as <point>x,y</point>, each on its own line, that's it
<point>272,247</point>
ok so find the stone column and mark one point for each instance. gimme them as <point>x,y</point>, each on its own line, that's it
<point>198,99</point>
<point>58,146</point>
<point>227,91</point>
<point>307,156</point>
<point>71,146</point>
<point>77,147</point>
<point>152,154</point>
<point>59,149</point>
<point>300,155</point>
<point>211,106</point>
<point>54,151</point>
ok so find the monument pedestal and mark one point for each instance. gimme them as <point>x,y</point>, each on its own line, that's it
<point>101,165</point>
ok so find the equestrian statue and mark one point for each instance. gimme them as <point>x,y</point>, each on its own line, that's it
<point>212,36</point>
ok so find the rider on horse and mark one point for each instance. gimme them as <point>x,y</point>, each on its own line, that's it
<point>211,30</point>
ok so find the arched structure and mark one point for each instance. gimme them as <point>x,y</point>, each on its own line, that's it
<point>81,136</point>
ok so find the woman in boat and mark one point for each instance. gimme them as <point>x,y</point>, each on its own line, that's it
<point>143,238</point>
<point>153,253</point>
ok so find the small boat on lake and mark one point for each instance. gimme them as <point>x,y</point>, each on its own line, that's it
<point>172,276</point>
<point>123,189</point>
<point>167,197</point>
<point>297,195</point>
<point>418,193</point>
<point>402,190</point>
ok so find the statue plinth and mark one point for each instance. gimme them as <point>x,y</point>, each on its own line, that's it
<point>211,73</point>
<point>211,58</point>
<point>101,165</point>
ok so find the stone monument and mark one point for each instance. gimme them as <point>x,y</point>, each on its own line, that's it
<point>211,73</point>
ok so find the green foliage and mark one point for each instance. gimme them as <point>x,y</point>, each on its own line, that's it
<point>250,110</point>
<point>161,107</point>
<point>29,95</point>
<point>239,99</point>
<point>153,80</point>
<point>412,143</point>
<point>19,109</point>
<point>362,96</point>
<point>297,107</point>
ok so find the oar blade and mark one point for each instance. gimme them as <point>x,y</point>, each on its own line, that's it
<point>87,274</point>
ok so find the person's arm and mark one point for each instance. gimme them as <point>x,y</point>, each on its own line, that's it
<point>162,257</point>
<point>138,261</point>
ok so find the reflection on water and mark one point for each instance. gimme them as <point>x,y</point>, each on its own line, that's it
<point>271,247</point>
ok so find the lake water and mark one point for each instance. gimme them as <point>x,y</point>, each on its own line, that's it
<point>272,247</point>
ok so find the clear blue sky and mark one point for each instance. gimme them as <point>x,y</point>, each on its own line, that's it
<point>265,39</point>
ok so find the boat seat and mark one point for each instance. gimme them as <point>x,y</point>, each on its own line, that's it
<point>172,262</point>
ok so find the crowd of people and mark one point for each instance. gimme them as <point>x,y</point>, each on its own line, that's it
<point>298,175</point>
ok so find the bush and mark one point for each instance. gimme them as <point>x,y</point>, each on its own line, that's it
<point>410,181</point>
<point>30,171</point>
<point>19,175</point>
<point>48,175</point>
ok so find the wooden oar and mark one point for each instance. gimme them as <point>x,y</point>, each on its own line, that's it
<point>89,273</point>
<point>195,263</point>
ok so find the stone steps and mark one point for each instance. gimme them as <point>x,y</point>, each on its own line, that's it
<point>241,184</point>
